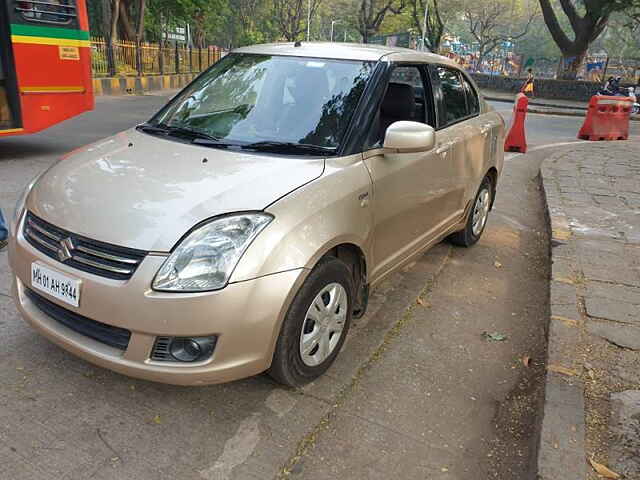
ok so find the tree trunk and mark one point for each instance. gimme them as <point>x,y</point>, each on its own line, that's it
<point>435,38</point>
<point>106,18</point>
<point>570,64</point>
<point>586,29</point>
<point>126,28</point>
<point>140,26</point>
<point>113,36</point>
<point>115,14</point>
<point>367,33</point>
<point>480,60</point>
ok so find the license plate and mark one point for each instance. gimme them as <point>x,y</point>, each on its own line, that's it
<point>55,284</point>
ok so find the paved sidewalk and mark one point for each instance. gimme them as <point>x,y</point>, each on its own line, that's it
<point>592,408</point>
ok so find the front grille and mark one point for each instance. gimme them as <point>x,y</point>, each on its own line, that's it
<point>88,255</point>
<point>109,335</point>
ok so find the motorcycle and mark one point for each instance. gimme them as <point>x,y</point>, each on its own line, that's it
<point>630,93</point>
<point>635,108</point>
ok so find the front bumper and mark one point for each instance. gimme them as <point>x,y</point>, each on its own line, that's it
<point>246,317</point>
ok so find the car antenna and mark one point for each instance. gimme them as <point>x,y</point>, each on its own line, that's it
<point>298,43</point>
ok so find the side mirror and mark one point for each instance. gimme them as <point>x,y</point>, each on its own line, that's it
<point>408,137</point>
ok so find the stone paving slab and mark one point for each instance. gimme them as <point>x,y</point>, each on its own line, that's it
<point>625,430</point>
<point>621,293</point>
<point>622,274</point>
<point>624,336</point>
<point>593,199</point>
<point>612,310</point>
<point>562,431</point>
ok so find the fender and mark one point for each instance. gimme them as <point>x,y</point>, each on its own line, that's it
<point>337,212</point>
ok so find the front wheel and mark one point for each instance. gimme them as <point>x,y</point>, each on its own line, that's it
<point>315,326</point>
<point>478,216</point>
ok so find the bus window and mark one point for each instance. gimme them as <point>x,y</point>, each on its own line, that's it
<point>60,12</point>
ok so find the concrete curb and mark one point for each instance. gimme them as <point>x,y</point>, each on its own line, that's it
<point>538,104</point>
<point>557,111</point>
<point>569,113</point>
<point>561,452</point>
<point>553,109</point>
<point>140,85</point>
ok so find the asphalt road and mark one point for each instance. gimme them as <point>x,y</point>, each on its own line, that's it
<point>417,391</point>
<point>547,129</point>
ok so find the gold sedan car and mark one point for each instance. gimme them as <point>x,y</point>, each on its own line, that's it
<point>242,227</point>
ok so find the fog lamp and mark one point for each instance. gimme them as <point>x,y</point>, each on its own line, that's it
<point>183,349</point>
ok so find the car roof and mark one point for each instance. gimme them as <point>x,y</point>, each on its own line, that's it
<point>346,51</point>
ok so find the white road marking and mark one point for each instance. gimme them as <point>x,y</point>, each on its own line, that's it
<point>511,156</point>
<point>512,221</point>
<point>236,450</point>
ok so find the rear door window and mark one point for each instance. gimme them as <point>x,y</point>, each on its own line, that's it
<point>473,103</point>
<point>454,97</point>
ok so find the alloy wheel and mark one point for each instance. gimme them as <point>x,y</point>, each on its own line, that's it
<point>481,211</point>
<point>323,324</point>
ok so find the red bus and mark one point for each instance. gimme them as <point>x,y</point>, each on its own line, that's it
<point>45,64</point>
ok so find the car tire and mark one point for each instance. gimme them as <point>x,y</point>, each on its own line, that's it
<point>296,361</point>
<point>479,213</point>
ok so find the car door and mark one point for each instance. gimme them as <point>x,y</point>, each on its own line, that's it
<point>410,197</point>
<point>488,129</point>
<point>454,122</point>
<point>475,134</point>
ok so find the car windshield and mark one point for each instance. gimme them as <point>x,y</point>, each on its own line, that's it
<point>265,100</point>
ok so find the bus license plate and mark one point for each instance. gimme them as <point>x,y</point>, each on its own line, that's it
<point>55,284</point>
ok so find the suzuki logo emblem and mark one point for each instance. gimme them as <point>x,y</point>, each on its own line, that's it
<point>66,247</point>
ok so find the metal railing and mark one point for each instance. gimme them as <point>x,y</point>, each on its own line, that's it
<point>123,58</point>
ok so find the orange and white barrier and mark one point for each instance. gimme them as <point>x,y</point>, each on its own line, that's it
<point>516,139</point>
<point>607,118</point>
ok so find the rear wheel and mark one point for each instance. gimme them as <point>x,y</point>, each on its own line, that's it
<point>478,216</point>
<point>315,326</point>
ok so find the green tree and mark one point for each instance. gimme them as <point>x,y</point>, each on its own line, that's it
<point>587,20</point>
<point>371,14</point>
<point>439,15</point>
<point>538,45</point>
<point>491,23</point>
<point>621,42</point>
<point>291,16</point>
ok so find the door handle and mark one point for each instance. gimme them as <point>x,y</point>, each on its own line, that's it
<point>444,148</point>
<point>484,130</point>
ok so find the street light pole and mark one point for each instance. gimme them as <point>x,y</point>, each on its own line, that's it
<point>309,21</point>
<point>333,22</point>
<point>424,24</point>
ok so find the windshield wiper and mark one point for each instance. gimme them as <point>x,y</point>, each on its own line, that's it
<point>290,147</point>
<point>212,142</point>
<point>170,130</point>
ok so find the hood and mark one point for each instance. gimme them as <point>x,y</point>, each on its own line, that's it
<point>140,191</point>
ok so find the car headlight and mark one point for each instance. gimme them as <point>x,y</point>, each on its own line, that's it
<point>205,259</point>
